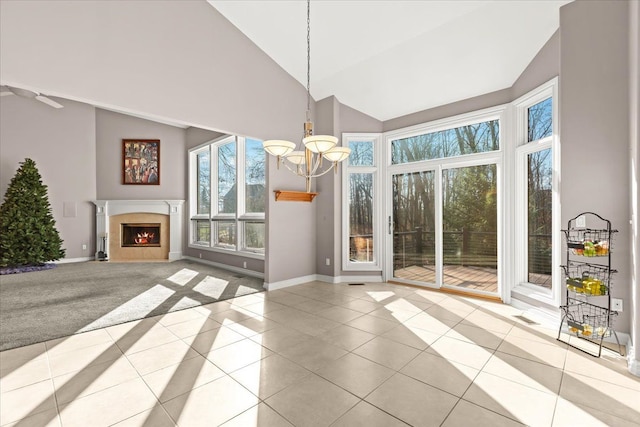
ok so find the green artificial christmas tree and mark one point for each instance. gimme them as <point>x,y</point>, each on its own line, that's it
<point>28,235</point>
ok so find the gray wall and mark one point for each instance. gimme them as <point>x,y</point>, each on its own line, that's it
<point>327,118</point>
<point>62,143</point>
<point>111,129</point>
<point>544,67</point>
<point>196,136</point>
<point>634,142</point>
<point>594,126</point>
<point>472,104</point>
<point>334,118</point>
<point>211,77</point>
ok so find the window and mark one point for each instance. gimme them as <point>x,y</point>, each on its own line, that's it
<point>536,191</point>
<point>473,138</point>
<point>361,246</point>
<point>445,203</point>
<point>227,193</point>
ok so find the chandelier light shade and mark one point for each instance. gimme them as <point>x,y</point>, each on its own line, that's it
<point>308,159</point>
<point>337,154</point>
<point>278,148</point>
<point>320,143</point>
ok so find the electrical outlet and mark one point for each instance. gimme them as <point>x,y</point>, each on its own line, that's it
<point>616,304</point>
<point>244,264</point>
<point>581,221</point>
<point>84,247</point>
<point>328,261</point>
<point>200,254</point>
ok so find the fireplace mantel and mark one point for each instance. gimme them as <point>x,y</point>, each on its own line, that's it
<point>172,208</point>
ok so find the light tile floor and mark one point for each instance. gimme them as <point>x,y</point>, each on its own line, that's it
<point>319,355</point>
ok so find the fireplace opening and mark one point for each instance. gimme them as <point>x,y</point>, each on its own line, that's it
<point>140,235</point>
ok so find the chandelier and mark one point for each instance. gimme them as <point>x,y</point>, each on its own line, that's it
<point>308,162</point>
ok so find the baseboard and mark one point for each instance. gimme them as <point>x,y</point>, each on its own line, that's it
<point>244,271</point>
<point>290,282</point>
<point>321,278</point>
<point>70,260</point>
<point>633,364</point>
<point>542,315</point>
<point>551,319</point>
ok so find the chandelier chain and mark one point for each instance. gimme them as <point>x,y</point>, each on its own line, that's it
<point>308,161</point>
<point>308,58</point>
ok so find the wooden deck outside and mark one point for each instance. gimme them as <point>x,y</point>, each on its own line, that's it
<point>469,278</point>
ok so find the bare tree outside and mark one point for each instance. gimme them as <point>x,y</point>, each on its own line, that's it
<point>203,227</point>
<point>539,196</point>
<point>361,194</point>
<point>476,138</point>
<point>469,200</point>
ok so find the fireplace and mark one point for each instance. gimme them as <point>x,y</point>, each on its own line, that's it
<point>140,235</point>
<point>167,242</point>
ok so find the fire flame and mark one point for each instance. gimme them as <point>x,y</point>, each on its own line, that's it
<point>144,238</point>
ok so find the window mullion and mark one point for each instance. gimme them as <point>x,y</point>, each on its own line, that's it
<point>241,186</point>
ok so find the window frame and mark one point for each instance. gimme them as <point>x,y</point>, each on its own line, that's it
<point>523,148</point>
<point>240,217</point>
<point>374,170</point>
<point>497,157</point>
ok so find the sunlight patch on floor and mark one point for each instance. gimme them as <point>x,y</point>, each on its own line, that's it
<point>380,295</point>
<point>402,304</point>
<point>244,290</point>
<point>185,302</point>
<point>211,286</point>
<point>150,299</point>
<point>183,276</point>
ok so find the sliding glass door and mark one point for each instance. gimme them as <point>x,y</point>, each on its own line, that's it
<point>469,228</point>
<point>443,187</point>
<point>413,225</point>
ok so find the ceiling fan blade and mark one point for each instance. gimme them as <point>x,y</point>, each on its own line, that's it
<point>7,93</point>
<point>25,93</point>
<point>49,102</point>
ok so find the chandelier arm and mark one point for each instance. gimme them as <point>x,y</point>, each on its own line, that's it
<point>291,170</point>
<point>316,165</point>
<point>333,165</point>
<point>313,175</point>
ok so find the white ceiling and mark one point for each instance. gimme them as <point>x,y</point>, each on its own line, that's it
<point>388,58</point>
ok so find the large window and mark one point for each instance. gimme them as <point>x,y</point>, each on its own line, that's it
<point>361,215</point>
<point>536,180</point>
<point>227,190</point>
<point>469,139</point>
<point>444,205</point>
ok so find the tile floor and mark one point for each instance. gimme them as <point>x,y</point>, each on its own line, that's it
<point>319,355</point>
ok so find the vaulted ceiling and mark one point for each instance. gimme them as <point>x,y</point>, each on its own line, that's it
<point>395,57</point>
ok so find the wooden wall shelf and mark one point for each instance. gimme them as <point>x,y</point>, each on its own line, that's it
<point>294,196</point>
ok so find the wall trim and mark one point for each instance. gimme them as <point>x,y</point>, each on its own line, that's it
<point>70,260</point>
<point>632,363</point>
<point>290,282</point>
<point>320,278</point>
<point>551,320</point>
<point>349,279</point>
<point>240,270</point>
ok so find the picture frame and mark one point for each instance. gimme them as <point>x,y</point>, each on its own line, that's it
<point>141,162</point>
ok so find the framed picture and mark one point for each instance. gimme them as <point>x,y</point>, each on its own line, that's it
<point>141,161</point>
